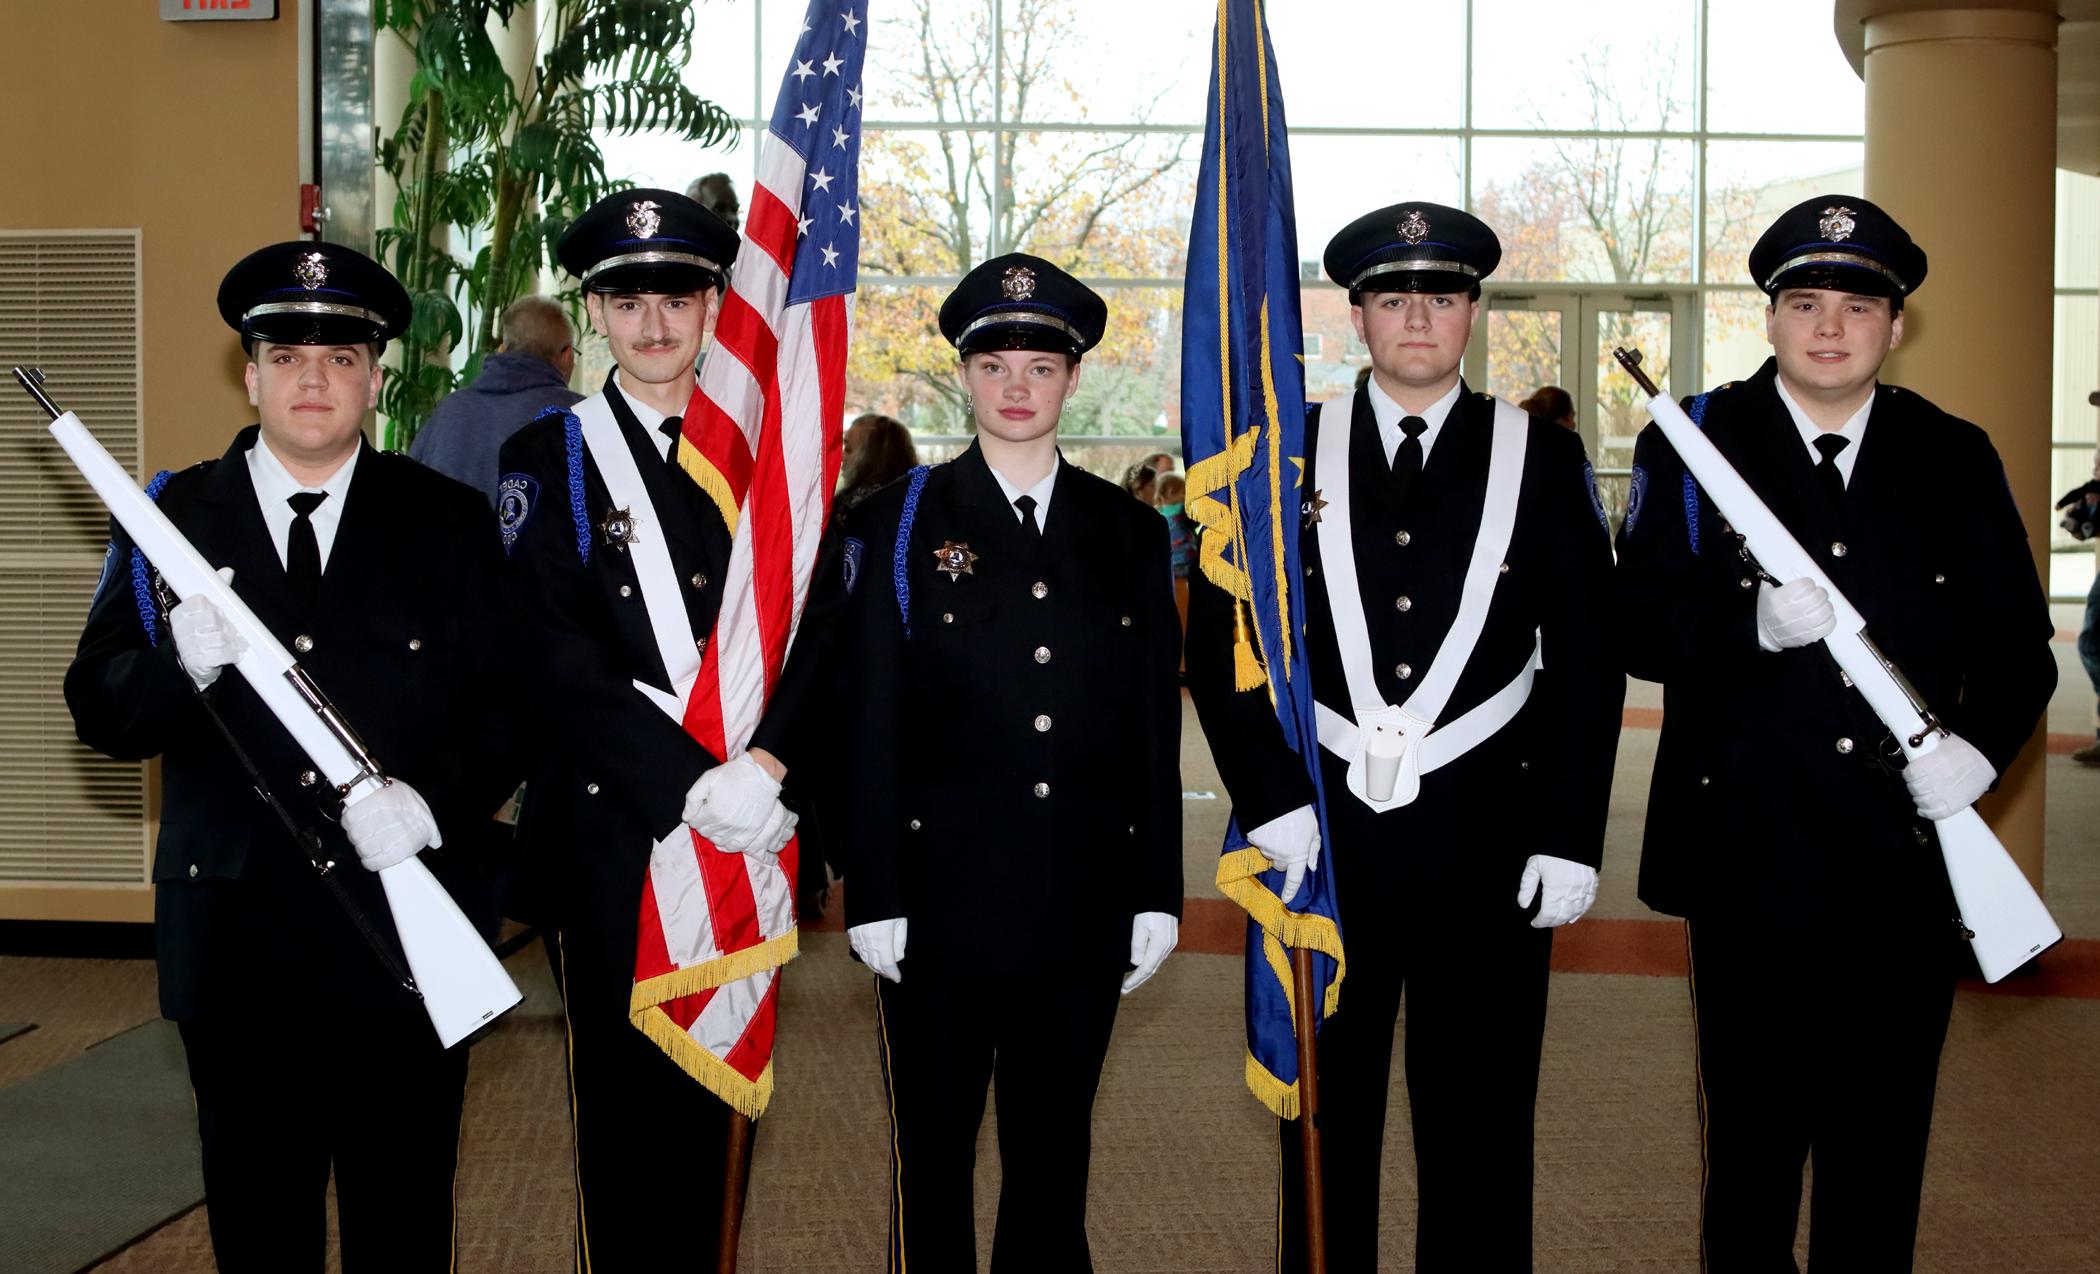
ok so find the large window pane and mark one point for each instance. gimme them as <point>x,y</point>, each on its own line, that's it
<point>1102,203</point>
<point>1106,61</point>
<point>1547,64</point>
<point>1748,184</point>
<point>2077,230</point>
<point>1774,66</point>
<point>1370,63</point>
<point>2077,368</point>
<point>1333,355</point>
<point>652,159</point>
<point>1589,210</point>
<point>1131,385</point>
<point>1335,180</point>
<point>926,200</point>
<point>927,60</point>
<point>899,364</point>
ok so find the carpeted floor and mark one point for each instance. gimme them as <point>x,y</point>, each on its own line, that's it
<point>1184,1160</point>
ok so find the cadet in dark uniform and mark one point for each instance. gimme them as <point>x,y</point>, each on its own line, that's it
<point>1014,741</point>
<point>1451,543</point>
<point>617,773</point>
<point>305,1052</point>
<point>1780,823</point>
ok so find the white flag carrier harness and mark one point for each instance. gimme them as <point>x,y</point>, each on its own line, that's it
<point>1424,745</point>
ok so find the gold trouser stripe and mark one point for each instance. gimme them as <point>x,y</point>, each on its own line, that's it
<point>889,1091</point>
<point>1279,1203</point>
<point>583,1229</point>
<point>1691,979</point>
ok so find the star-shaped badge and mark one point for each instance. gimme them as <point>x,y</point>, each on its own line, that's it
<point>954,559</point>
<point>618,528</point>
<point>1310,510</point>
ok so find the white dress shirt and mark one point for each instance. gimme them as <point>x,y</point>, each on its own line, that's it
<point>274,485</point>
<point>1853,431</point>
<point>1389,415</point>
<point>1041,492</point>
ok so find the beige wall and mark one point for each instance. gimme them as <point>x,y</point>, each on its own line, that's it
<point>186,130</point>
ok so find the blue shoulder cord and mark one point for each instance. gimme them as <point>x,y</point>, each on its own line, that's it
<point>900,568</point>
<point>142,571</point>
<point>1697,411</point>
<point>572,443</point>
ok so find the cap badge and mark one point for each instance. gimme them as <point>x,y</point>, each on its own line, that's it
<point>1413,227</point>
<point>1837,223</point>
<point>618,528</point>
<point>312,271</point>
<point>954,559</point>
<point>643,219</point>
<point>1019,283</point>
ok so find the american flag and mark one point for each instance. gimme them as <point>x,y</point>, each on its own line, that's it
<point>761,438</point>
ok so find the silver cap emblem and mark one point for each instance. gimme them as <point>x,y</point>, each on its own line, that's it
<point>1019,283</point>
<point>643,219</point>
<point>1413,227</point>
<point>1837,224</point>
<point>312,271</point>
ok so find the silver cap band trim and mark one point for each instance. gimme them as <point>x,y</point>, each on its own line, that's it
<point>318,309</point>
<point>1836,258</point>
<point>1020,316</point>
<point>649,258</point>
<point>1415,267</point>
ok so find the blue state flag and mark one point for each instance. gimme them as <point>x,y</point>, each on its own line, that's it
<point>1243,439</point>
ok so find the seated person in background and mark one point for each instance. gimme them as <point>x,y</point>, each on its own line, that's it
<point>878,451</point>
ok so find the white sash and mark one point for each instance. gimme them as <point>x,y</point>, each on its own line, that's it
<point>1424,746</point>
<point>652,555</point>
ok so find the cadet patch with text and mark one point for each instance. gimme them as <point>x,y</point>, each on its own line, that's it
<point>515,495</point>
<point>855,549</point>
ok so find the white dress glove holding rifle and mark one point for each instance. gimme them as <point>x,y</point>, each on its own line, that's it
<point>1291,843</point>
<point>880,945</point>
<point>1565,890</point>
<point>390,826</point>
<point>1797,613</point>
<point>1948,779</point>
<point>1152,935</point>
<point>204,642</point>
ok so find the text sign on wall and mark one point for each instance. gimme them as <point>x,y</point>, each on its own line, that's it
<point>217,10</point>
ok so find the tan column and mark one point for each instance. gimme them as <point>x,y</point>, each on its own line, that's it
<point>1961,148</point>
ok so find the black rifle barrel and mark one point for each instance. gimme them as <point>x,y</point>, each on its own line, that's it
<point>1630,359</point>
<point>32,379</point>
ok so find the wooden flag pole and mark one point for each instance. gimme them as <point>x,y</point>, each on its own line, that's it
<point>735,1178</point>
<point>1307,1017</point>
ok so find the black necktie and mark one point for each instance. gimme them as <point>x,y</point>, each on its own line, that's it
<point>1407,459</point>
<point>302,551</point>
<point>1827,474</point>
<point>1029,527</point>
<point>669,429</point>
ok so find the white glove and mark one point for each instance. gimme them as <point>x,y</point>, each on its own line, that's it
<point>1948,779</point>
<point>1797,613</point>
<point>1569,889</point>
<point>880,945</point>
<point>1152,935</point>
<point>1290,842</point>
<point>204,642</point>
<point>737,806</point>
<point>390,826</point>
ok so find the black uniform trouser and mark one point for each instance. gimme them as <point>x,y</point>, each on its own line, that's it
<point>944,1039</point>
<point>1476,1015</point>
<point>280,1101</point>
<point>652,1142</point>
<point>1822,1042</point>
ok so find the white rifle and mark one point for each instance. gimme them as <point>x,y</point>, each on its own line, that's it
<point>2001,915</point>
<point>460,981</point>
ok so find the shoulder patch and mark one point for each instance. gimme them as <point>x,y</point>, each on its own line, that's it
<point>1636,493</point>
<point>516,493</point>
<point>1589,484</point>
<point>856,549</point>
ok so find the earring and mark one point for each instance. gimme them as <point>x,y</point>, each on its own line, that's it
<point>970,404</point>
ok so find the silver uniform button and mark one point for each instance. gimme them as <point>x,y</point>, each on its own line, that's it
<point>700,579</point>
<point>307,778</point>
<point>1126,621</point>
<point>1705,781</point>
<point>1040,589</point>
<point>415,643</point>
<point>193,871</point>
<point>1132,829</point>
<point>1838,549</point>
<point>1403,671</point>
<point>1746,582</point>
<point>1502,569</point>
<point>626,591</point>
<point>1844,747</point>
<point>591,788</point>
<point>1042,789</point>
<point>915,824</point>
<point>1403,604</point>
<point>302,643</point>
<point>1042,654</point>
<point>1402,538</point>
<point>1939,579</point>
<point>1042,723</point>
<point>947,617</point>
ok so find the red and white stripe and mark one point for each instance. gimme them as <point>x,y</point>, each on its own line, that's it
<point>765,416</point>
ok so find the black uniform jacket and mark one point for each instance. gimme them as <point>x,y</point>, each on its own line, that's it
<point>1013,760</point>
<point>1768,799</point>
<point>401,638</point>
<point>1539,786</point>
<point>612,769</point>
